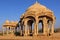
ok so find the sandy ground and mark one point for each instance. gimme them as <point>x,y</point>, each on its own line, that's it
<point>56,36</point>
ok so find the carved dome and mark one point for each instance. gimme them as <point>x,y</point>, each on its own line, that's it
<point>38,7</point>
<point>7,21</point>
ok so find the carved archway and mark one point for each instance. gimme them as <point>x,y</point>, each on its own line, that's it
<point>30,21</point>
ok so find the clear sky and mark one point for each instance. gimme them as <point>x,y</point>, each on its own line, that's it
<point>13,9</point>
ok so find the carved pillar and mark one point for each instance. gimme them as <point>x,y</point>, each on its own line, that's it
<point>28,30</point>
<point>14,29</point>
<point>20,29</point>
<point>25,25</point>
<point>36,27</point>
<point>21,32</point>
<point>11,29</point>
<point>45,28</point>
<point>7,30</point>
<point>3,30</point>
<point>52,28</point>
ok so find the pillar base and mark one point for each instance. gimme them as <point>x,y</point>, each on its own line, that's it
<point>25,35</point>
<point>51,33</point>
<point>45,34</point>
<point>35,34</point>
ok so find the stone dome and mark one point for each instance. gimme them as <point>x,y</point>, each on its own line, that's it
<point>38,7</point>
<point>7,21</point>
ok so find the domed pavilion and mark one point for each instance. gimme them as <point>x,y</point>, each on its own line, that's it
<point>36,14</point>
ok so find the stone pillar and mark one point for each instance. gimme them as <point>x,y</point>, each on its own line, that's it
<point>52,28</point>
<point>21,32</point>
<point>11,30</point>
<point>7,30</point>
<point>20,29</point>
<point>28,30</point>
<point>3,30</point>
<point>25,25</point>
<point>45,26</point>
<point>14,29</point>
<point>36,27</point>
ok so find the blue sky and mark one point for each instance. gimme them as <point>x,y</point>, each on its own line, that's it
<point>13,9</point>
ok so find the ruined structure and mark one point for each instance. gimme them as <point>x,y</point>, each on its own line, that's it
<point>35,14</point>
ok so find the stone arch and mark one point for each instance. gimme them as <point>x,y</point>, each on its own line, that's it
<point>30,24</point>
<point>43,20</point>
<point>30,20</point>
<point>40,26</point>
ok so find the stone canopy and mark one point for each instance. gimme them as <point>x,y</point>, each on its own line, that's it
<point>39,10</point>
<point>35,14</point>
